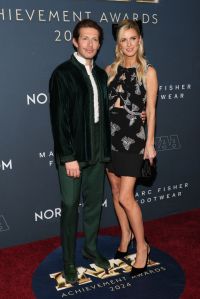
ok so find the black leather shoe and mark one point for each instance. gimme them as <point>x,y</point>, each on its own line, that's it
<point>121,254</point>
<point>70,274</point>
<point>96,258</point>
<point>136,271</point>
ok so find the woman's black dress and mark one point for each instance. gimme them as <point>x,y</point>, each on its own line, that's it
<point>127,128</point>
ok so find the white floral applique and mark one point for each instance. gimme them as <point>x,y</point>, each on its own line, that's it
<point>133,76</point>
<point>127,101</point>
<point>119,89</point>
<point>137,88</point>
<point>114,128</point>
<point>113,148</point>
<point>141,134</point>
<point>132,119</point>
<point>127,141</point>
<point>132,113</point>
<point>141,152</point>
<point>135,108</point>
<point>111,96</point>
<point>144,99</point>
<point>122,77</point>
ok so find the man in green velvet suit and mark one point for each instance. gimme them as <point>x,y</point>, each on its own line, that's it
<point>80,125</point>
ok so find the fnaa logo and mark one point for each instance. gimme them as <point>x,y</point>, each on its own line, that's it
<point>164,143</point>
<point>138,1</point>
<point>6,165</point>
<point>3,224</point>
<point>118,267</point>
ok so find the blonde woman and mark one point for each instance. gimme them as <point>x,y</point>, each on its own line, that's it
<point>132,86</point>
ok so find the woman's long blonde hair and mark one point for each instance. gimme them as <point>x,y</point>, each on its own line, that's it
<point>119,57</point>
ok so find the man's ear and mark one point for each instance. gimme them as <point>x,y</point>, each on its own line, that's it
<point>75,43</point>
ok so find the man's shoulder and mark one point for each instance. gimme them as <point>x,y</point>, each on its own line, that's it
<point>63,67</point>
<point>100,71</point>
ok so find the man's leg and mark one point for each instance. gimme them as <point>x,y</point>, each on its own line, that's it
<point>93,191</point>
<point>70,190</point>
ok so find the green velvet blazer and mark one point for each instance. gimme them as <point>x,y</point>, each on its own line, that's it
<point>72,115</point>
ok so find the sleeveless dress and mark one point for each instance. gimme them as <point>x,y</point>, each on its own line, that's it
<point>127,129</point>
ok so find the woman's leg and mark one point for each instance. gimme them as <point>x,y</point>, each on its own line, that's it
<point>115,183</point>
<point>133,212</point>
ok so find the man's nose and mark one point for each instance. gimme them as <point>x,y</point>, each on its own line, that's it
<point>90,42</point>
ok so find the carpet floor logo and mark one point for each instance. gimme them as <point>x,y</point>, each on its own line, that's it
<point>85,275</point>
<point>163,278</point>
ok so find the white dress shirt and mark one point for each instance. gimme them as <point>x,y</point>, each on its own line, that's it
<point>94,86</point>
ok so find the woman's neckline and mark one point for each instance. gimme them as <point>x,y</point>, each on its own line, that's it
<point>128,68</point>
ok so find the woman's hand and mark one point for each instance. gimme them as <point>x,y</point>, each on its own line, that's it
<point>143,116</point>
<point>149,153</point>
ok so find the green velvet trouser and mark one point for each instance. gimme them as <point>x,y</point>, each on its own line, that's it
<point>91,183</point>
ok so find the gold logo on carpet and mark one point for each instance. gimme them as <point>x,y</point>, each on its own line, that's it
<point>85,275</point>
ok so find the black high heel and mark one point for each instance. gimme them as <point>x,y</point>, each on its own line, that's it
<point>136,271</point>
<point>121,254</point>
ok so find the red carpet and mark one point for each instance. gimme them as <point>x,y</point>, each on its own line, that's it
<point>177,235</point>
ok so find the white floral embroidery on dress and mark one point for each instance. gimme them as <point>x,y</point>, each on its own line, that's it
<point>122,77</point>
<point>114,128</point>
<point>132,114</point>
<point>133,76</point>
<point>113,148</point>
<point>111,96</point>
<point>141,152</point>
<point>132,119</point>
<point>119,89</point>
<point>127,141</point>
<point>144,99</point>
<point>134,108</point>
<point>137,88</point>
<point>141,134</point>
<point>127,101</point>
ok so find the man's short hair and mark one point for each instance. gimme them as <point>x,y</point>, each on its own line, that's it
<point>87,23</point>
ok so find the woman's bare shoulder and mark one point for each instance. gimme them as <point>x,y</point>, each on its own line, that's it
<point>151,72</point>
<point>108,69</point>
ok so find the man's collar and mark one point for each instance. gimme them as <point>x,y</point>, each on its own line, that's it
<point>81,59</point>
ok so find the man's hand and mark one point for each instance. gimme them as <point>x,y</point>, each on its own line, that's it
<point>143,116</point>
<point>72,169</point>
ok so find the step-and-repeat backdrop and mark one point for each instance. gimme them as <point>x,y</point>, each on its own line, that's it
<point>35,37</point>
